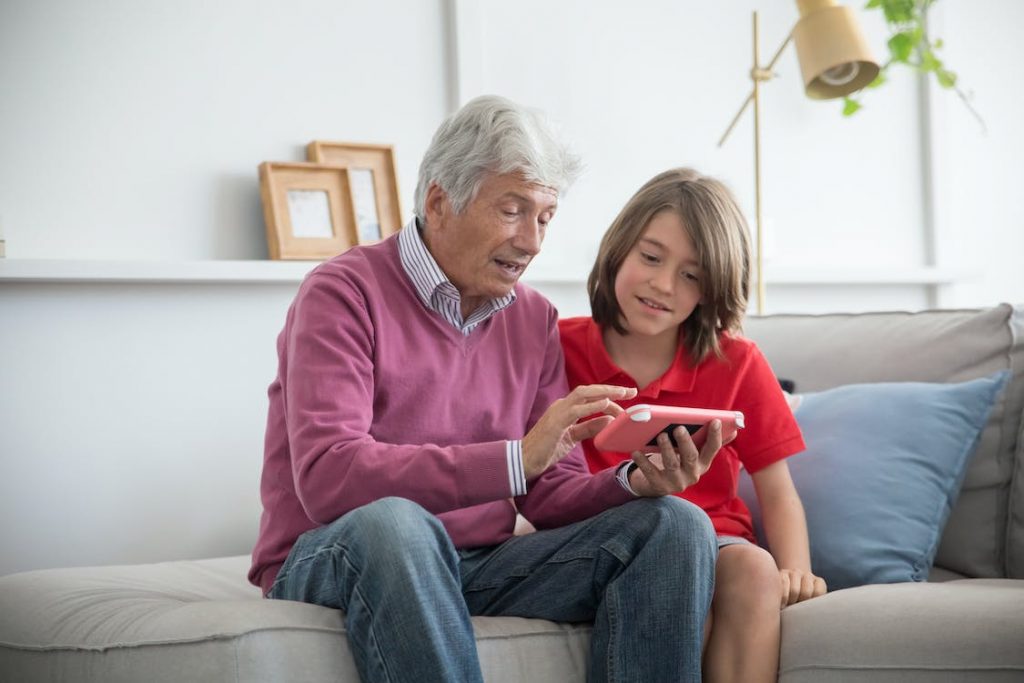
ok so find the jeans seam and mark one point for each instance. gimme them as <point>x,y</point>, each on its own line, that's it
<point>287,568</point>
<point>521,573</point>
<point>343,551</point>
<point>376,642</point>
<point>611,606</point>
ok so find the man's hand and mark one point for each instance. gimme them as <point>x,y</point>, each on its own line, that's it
<point>799,585</point>
<point>556,432</point>
<point>679,467</point>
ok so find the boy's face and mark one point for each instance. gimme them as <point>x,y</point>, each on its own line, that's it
<point>659,282</point>
<point>485,249</point>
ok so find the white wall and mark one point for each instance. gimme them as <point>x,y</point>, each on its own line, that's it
<point>132,420</point>
<point>131,416</point>
<point>657,86</point>
<point>134,128</point>
<point>981,217</point>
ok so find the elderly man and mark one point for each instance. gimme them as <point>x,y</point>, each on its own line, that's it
<point>421,401</point>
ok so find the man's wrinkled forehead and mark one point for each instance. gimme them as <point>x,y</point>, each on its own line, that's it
<point>515,186</point>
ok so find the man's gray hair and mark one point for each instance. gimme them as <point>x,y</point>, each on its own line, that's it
<point>492,134</point>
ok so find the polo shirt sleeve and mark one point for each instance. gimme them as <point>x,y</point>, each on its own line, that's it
<point>771,432</point>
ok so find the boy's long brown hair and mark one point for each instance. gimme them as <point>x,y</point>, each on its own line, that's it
<point>714,222</point>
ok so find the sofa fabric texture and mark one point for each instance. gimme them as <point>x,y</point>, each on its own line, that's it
<point>984,535</point>
<point>201,620</point>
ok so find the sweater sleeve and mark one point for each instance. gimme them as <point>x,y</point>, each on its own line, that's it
<point>327,375</point>
<point>566,492</point>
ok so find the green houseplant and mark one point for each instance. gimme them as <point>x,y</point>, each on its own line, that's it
<point>910,45</point>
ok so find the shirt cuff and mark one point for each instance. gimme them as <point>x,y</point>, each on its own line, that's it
<point>622,476</point>
<point>516,473</point>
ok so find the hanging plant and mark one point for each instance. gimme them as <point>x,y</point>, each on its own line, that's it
<point>910,45</point>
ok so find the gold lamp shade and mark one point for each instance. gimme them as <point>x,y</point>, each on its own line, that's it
<point>834,57</point>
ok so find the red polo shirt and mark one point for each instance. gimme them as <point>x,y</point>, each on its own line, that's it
<point>742,380</point>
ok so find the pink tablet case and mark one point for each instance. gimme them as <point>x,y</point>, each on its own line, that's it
<point>637,429</point>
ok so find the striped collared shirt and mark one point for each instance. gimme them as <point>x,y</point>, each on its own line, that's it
<point>439,295</point>
<point>434,288</point>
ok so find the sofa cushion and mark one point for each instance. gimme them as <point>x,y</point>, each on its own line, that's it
<point>1015,410</point>
<point>917,632</point>
<point>824,351</point>
<point>202,621</point>
<point>881,471</point>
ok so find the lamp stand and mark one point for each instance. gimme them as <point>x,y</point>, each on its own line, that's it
<point>834,61</point>
<point>758,74</point>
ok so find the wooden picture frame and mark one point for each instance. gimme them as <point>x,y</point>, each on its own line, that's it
<point>373,181</point>
<point>308,210</point>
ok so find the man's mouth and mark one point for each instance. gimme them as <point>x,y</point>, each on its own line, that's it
<point>513,268</point>
<point>651,303</point>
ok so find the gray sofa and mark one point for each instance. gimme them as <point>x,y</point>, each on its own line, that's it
<point>201,621</point>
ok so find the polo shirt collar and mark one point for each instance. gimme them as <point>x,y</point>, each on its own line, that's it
<point>680,377</point>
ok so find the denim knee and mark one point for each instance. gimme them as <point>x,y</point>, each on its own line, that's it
<point>676,519</point>
<point>394,531</point>
<point>684,516</point>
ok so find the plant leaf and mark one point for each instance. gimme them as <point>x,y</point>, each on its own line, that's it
<point>850,107</point>
<point>929,62</point>
<point>901,46</point>
<point>879,80</point>
<point>898,11</point>
<point>946,78</point>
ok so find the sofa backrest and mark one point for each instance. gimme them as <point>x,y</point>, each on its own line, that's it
<point>984,536</point>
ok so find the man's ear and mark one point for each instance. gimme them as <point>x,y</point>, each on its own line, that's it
<point>436,205</point>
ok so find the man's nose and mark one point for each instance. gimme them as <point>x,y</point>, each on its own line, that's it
<point>529,237</point>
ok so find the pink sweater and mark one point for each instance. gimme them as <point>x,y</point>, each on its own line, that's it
<point>377,396</point>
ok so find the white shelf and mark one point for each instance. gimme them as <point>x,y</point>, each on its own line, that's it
<point>226,272</point>
<point>797,276</point>
<point>52,270</point>
<point>920,275</point>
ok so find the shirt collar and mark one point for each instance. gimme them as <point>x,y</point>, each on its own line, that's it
<point>430,282</point>
<point>680,377</point>
<point>418,263</point>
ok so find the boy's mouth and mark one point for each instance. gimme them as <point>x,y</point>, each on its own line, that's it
<point>651,303</point>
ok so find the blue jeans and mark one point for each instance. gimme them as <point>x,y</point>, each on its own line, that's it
<point>642,572</point>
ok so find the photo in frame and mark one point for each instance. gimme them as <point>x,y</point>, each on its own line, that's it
<point>373,182</point>
<point>308,210</point>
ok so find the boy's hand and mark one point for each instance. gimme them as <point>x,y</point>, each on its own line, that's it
<point>677,468</point>
<point>798,585</point>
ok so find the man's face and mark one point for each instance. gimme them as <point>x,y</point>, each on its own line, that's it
<point>485,249</point>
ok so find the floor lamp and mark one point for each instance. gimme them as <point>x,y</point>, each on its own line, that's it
<point>834,60</point>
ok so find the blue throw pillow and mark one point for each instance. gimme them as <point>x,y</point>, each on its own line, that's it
<point>882,469</point>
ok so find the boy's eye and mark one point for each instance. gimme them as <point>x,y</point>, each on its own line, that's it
<point>649,258</point>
